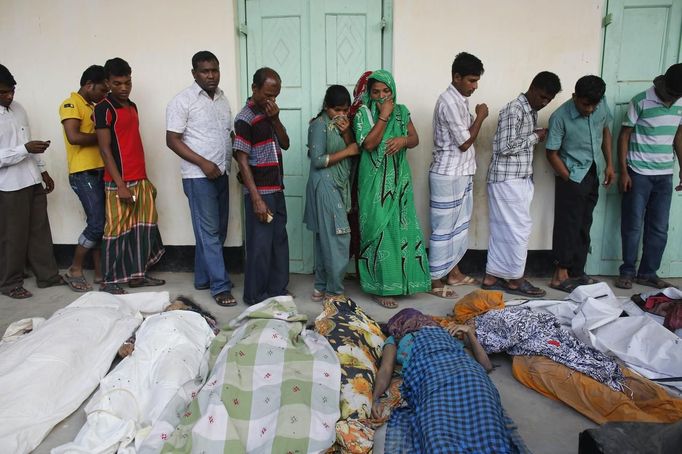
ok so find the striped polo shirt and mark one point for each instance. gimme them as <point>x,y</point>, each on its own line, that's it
<point>255,136</point>
<point>650,151</point>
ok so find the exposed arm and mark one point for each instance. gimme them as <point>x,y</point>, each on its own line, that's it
<point>104,141</point>
<point>385,372</point>
<point>180,148</point>
<point>557,164</point>
<point>374,137</point>
<point>469,334</point>
<point>260,208</point>
<point>623,141</point>
<point>74,134</point>
<point>606,144</point>
<point>396,144</point>
<point>481,114</point>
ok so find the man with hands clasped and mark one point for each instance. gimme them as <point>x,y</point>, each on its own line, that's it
<point>25,235</point>
<point>259,140</point>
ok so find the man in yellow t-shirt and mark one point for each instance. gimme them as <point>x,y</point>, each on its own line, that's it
<point>86,170</point>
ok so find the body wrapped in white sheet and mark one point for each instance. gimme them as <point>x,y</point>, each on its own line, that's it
<point>170,350</point>
<point>46,374</point>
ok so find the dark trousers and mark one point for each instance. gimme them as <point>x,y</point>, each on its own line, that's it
<point>25,238</point>
<point>267,251</point>
<point>573,207</point>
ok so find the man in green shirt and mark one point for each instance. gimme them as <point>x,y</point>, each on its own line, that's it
<point>578,130</point>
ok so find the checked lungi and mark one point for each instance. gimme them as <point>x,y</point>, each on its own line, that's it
<point>452,404</point>
<point>451,204</point>
<point>131,242</point>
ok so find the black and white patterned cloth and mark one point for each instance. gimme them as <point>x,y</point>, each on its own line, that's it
<point>520,331</point>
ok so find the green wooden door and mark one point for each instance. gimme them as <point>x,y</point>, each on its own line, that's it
<point>311,44</point>
<point>642,40</point>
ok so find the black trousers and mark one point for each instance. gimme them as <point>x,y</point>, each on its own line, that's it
<point>573,207</point>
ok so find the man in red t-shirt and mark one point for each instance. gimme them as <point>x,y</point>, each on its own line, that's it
<point>131,242</point>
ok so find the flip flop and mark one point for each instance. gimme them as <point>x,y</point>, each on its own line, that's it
<point>466,280</point>
<point>586,280</point>
<point>55,281</point>
<point>444,292</point>
<point>114,289</point>
<point>623,282</point>
<point>317,296</point>
<point>147,281</point>
<point>526,289</point>
<point>567,285</point>
<point>18,293</point>
<point>653,281</point>
<point>498,285</point>
<point>225,299</point>
<point>385,302</point>
<point>77,283</point>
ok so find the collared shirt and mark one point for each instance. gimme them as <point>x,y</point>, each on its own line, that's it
<point>80,158</point>
<point>578,139</point>
<point>205,125</point>
<point>126,143</point>
<point>255,136</point>
<point>451,123</point>
<point>514,142</point>
<point>650,151</point>
<point>19,169</point>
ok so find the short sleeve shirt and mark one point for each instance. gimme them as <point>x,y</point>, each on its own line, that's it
<point>577,138</point>
<point>255,136</point>
<point>451,123</point>
<point>80,158</point>
<point>650,151</point>
<point>205,124</point>
<point>126,142</point>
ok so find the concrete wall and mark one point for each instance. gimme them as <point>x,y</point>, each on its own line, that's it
<point>48,44</point>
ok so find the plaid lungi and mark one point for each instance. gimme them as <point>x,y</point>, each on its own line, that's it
<point>452,407</point>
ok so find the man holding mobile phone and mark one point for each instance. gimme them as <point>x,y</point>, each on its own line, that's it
<point>25,234</point>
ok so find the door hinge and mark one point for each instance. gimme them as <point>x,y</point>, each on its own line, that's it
<point>243,30</point>
<point>382,23</point>
<point>607,20</point>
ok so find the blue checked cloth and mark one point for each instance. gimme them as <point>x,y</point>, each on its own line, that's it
<point>453,407</point>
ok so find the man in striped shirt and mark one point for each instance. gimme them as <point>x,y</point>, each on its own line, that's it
<point>649,134</point>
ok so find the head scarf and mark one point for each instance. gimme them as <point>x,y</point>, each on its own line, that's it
<point>358,92</point>
<point>407,321</point>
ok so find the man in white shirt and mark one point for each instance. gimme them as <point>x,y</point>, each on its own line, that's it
<point>25,235</point>
<point>198,129</point>
<point>451,174</point>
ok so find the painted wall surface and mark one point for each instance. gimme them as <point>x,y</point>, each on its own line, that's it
<point>49,44</point>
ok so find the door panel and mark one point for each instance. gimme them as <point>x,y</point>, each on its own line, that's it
<point>311,44</point>
<point>641,42</point>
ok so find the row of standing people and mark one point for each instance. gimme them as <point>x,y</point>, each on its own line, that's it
<point>391,257</point>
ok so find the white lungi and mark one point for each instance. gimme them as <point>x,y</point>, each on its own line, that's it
<point>451,204</point>
<point>510,227</point>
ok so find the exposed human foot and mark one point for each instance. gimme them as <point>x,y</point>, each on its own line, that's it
<point>18,293</point>
<point>443,292</point>
<point>385,301</point>
<point>462,279</point>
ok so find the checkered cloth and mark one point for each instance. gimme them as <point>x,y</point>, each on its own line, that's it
<point>452,404</point>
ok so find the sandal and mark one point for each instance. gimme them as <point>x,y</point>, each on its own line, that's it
<point>317,296</point>
<point>586,280</point>
<point>113,289</point>
<point>498,285</point>
<point>385,302</point>
<point>653,281</point>
<point>526,289</point>
<point>567,285</point>
<point>146,281</point>
<point>466,280</point>
<point>77,283</point>
<point>18,293</point>
<point>53,282</point>
<point>225,299</point>
<point>623,282</point>
<point>443,292</point>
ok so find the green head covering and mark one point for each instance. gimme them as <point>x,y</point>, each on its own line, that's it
<point>383,76</point>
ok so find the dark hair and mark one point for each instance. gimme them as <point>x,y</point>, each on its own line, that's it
<point>673,79</point>
<point>117,67</point>
<point>591,88</point>
<point>548,82</point>
<point>466,64</point>
<point>194,307</point>
<point>335,96</point>
<point>203,55</point>
<point>263,74</point>
<point>6,77</point>
<point>95,74</point>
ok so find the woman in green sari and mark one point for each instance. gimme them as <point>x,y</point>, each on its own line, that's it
<point>393,258</point>
<point>330,145</point>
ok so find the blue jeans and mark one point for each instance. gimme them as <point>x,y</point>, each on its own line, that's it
<point>89,187</point>
<point>209,206</point>
<point>647,203</point>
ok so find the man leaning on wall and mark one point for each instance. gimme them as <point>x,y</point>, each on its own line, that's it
<point>198,129</point>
